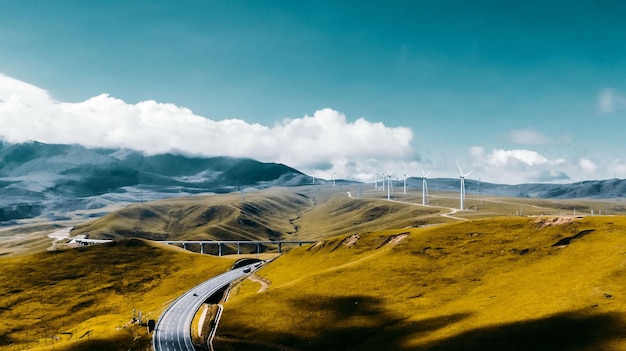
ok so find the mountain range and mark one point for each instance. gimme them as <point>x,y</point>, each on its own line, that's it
<point>49,181</point>
<point>38,179</point>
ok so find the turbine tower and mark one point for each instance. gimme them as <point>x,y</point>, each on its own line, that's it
<point>405,176</point>
<point>389,184</point>
<point>383,186</point>
<point>425,187</point>
<point>462,176</point>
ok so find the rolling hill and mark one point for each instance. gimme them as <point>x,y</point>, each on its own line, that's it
<point>302,213</point>
<point>492,284</point>
<point>86,298</point>
<point>381,275</point>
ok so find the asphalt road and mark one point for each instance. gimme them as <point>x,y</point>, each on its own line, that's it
<point>173,329</point>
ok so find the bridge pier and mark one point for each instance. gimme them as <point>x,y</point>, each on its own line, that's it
<point>201,248</point>
<point>185,246</point>
<point>258,248</point>
<point>220,245</point>
<point>280,247</point>
<point>238,248</point>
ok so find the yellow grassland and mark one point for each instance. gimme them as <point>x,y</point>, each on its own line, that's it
<point>83,299</point>
<point>381,276</point>
<point>494,284</point>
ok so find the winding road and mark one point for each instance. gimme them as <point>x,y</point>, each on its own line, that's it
<point>173,329</point>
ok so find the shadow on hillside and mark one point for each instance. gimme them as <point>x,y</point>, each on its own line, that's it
<point>116,343</point>
<point>359,323</point>
<point>580,330</point>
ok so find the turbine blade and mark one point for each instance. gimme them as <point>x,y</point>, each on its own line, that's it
<point>468,173</point>
<point>458,165</point>
<point>428,173</point>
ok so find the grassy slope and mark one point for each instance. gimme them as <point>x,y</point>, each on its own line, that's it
<point>94,289</point>
<point>262,216</point>
<point>335,213</point>
<point>299,213</point>
<point>481,285</point>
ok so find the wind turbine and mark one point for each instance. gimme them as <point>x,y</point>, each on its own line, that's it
<point>425,187</point>
<point>389,185</point>
<point>405,176</point>
<point>384,176</point>
<point>375,181</point>
<point>462,176</point>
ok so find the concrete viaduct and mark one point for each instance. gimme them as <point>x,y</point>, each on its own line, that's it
<point>221,243</point>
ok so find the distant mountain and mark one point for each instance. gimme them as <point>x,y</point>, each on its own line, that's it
<point>57,181</point>
<point>598,189</point>
<point>39,179</point>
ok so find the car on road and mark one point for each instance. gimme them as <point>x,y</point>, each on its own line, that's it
<point>247,270</point>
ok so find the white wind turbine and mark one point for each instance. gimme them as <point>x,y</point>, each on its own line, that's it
<point>425,187</point>
<point>389,185</point>
<point>405,176</point>
<point>462,176</point>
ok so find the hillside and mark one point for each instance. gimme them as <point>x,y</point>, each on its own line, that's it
<point>495,284</point>
<point>85,299</point>
<point>380,277</point>
<point>311,213</point>
<point>263,215</point>
<point>303,213</point>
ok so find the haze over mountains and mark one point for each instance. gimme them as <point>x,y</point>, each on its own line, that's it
<point>48,180</point>
<point>39,179</point>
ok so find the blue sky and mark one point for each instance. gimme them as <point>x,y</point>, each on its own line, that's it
<point>528,91</point>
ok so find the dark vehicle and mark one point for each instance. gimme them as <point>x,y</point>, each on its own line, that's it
<point>247,270</point>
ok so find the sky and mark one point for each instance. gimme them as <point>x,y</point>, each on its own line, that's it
<point>517,91</point>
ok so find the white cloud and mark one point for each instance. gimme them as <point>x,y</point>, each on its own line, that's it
<point>587,166</point>
<point>326,138</point>
<point>514,157</point>
<point>517,166</point>
<point>528,136</point>
<point>610,101</point>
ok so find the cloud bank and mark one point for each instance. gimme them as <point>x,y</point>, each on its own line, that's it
<point>323,143</point>
<point>527,166</point>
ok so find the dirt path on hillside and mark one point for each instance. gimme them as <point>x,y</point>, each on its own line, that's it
<point>265,284</point>
<point>446,215</point>
<point>450,214</point>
